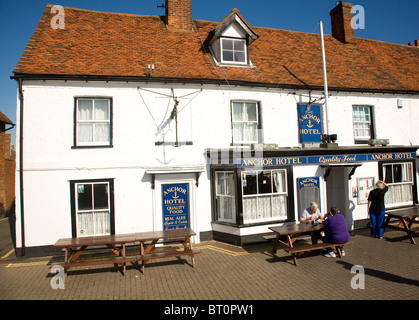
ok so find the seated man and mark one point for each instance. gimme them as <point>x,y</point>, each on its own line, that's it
<point>336,229</point>
<point>310,215</point>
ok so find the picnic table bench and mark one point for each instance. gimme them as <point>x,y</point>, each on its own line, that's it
<point>74,247</point>
<point>405,218</point>
<point>292,232</point>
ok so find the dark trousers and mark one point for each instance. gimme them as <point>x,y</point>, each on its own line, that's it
<point>377,223</point>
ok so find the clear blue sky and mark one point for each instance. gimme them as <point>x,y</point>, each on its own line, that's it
<point>386,20</point>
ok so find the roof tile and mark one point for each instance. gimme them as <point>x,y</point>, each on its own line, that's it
<point>112,44</point>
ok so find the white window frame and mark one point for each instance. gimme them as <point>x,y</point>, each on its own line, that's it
<point>250,122</point>
<point>407,182</point>
<point>271,195</point>
<point>245,62</point>
<point>93,122</point>
<point>220,195</point>
<point>81,232</point>
<point>362,138</point>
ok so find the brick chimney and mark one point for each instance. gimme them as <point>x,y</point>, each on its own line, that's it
<point>179,15</point>
<point>341,16</point>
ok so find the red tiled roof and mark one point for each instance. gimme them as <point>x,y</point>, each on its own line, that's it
<point>5,119</point>
<point>123,45</point>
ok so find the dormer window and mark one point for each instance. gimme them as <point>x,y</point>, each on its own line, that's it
<point>229,41</point>
<point>233,50</point>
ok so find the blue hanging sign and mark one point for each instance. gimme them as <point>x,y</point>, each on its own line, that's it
<point>175,203</point>
<point>309,123</point>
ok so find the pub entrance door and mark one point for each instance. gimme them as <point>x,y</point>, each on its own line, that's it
<point>174,199</point>
<point>337,192</point>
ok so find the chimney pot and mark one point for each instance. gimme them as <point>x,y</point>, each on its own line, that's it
<point>341,17</point>
<point>416,43</point>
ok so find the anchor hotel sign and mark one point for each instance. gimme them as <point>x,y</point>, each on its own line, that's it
<point>309,123</point>
<point>324,160</point>
<point>175,205</point>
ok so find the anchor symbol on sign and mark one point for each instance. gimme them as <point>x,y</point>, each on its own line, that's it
<point>175,196</point>
<point>309,124</point>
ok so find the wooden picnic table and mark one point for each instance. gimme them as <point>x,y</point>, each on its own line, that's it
<point>293,231</point>
<point>74,247</point>
<point>405,218</point>
<point>148,241</point>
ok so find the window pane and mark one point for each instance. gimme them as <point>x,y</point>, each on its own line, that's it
<point>228,55</point>
<point>388,174</point>
<point>279,182</point>
<point>100,196</point>
<point>265,182</point>
<point>251,111</point>
<point>220,183</point>
<point>249,181</point>
<point>84,197</point>
<point>85,132</point>
<point>227,44</point>
<point>238,132</point>
<point>85,224</point>
<point>101,110</point>
<point>250,132</point>
<point>230,187</point>
<point>397,173</point>
<point>85,109</point>
<point>102,133</point>
<point>239,57</point>
<point>238,45</point>
<point>238,114</point>
<point>102,222</point>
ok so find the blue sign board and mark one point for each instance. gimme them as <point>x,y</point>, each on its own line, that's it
<point>308,190</point>
<point>322,160</point>
<point>175,203</point>
<point>309,123</point>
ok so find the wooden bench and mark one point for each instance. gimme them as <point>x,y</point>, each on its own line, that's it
<point>310,247</point>
<point>269,237</point>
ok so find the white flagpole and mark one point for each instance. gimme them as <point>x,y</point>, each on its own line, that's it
<point>326,94</point>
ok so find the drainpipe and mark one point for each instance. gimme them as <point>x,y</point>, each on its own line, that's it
<point>22,215</point>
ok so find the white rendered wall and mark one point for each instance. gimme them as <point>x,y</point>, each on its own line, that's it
<point>50,162</point>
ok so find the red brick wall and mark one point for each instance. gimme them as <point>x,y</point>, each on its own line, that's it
<point>179,14</point>
<point>7,173</point>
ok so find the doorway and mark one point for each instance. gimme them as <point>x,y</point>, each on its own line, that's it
<point>174,199</point>
<point>337,192</point>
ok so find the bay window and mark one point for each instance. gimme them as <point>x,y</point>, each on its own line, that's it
<point>264,195</point>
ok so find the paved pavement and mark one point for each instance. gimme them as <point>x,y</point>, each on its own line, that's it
<point>226,272</point>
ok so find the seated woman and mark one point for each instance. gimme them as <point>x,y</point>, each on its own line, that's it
<point>336,229</point>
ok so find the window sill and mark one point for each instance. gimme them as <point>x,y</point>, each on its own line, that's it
<point>253,224</point>
<point>92,147</point>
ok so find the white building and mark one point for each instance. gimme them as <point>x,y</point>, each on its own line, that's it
<point>134,123</point>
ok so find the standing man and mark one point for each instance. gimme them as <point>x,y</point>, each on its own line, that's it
<point>310,215</point>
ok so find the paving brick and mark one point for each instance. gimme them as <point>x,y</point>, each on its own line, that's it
<point>234,273</point>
